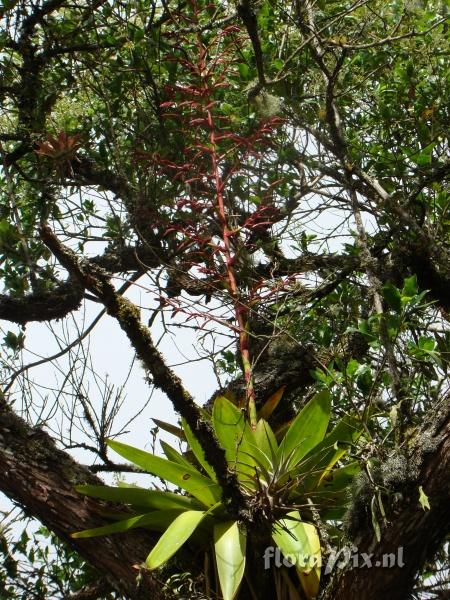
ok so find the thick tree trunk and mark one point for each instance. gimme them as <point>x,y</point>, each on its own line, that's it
<point>412,534</point>
<point>41,478</point>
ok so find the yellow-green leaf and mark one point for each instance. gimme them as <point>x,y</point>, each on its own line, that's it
<point>157,520</point>
<point>173,429</point>
<point>307,429</point>
<point>270,405</point>
<point>235,436</point>
<point>265,439</point>
<point>299,542</point>
<point>197,450</point>
<point>229,547</point>
<point>204,489</point>
<point>323,457</point>
<point>423,499</point>
<point>137,496</point>
<point>174,455</point>
<point>174,537</point>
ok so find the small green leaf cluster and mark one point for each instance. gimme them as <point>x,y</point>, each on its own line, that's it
<point>39,565</point>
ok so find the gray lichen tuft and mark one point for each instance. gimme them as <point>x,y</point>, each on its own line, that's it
<point>267,105</point>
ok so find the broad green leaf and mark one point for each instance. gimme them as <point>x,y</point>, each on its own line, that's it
<point>392,296</point>
<point>410,286</point>
<point>185,477</point>
<point>244,70</point>
<point>174,537</point>
<point>235,436</point>
<point>231,426</point>
<point>265,450</point>
<point>229,547</point>
<point>265,439</point>
<point>157,520</point>
<point>262,469</point>
<point>321,459</point>
<point>174,455</point>
<point>196,448</point>
<point>139,497</point>
<point>307,430</point>
<point>299,542</point>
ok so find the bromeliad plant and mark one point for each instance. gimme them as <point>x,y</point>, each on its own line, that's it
<point>286,476</point>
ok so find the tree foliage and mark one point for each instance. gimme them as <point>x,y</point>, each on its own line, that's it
<point>274,176</point>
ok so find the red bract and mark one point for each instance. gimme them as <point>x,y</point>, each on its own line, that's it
<point>230,29</point>
<point>61,148</point>
<point>170,115</point>
<point>198,121</point>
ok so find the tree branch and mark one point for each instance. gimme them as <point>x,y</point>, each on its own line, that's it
<point>248,17</point>
<point>46,306</point>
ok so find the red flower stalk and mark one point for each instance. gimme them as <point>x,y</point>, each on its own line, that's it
<point>213,156</point>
